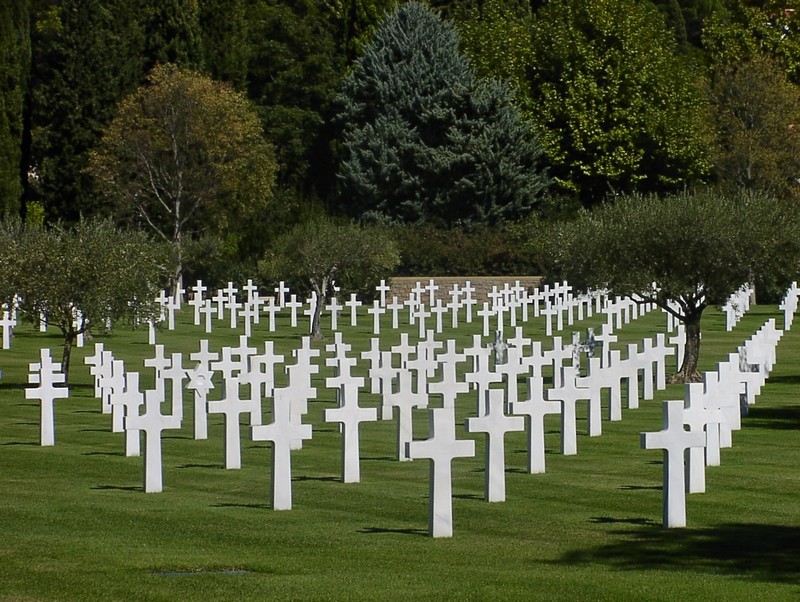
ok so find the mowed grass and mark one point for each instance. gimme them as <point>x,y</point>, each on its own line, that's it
<point>76,525</point>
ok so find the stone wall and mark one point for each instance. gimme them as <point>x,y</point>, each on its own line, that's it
<point>401,287</point>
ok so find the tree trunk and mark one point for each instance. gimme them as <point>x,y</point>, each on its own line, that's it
<point>69,338</point>
<point>691,351</point>
<point>316,319</point>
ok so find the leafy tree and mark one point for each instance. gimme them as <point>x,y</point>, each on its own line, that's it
<point>15,58</point>
<point>93,270</point>
<point>747,28</point>
<point>758,124</point>
<point>496,35</point>
<point>323,249</point>
<point>86,56</point>
<point>424,139</point>
<point>184,153</point>
<point>696,248</point>
<point>618,109</point>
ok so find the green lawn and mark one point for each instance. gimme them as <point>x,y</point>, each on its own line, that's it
<point>75,524</point>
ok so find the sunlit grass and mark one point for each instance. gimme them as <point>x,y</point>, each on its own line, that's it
<point>75,524</point>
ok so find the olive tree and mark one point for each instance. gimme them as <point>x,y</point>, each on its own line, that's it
<point>322,249</point>
<point>81,279</point>
<point>684,252</point>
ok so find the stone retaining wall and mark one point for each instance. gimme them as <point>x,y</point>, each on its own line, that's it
<point>401,287</point>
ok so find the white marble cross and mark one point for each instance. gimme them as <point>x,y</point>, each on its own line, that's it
<point>568,394</point>
<point>334,307</point>
<point>395,308</point>
<point>441,449</point>
<point>152,422</point>
<point>232,407</point>
<point>158,363</point>
<point>405,400</point>
<point>283,431</point>
<point>46,375</point>
<point>353,303</point>
<point>373,356</point>
<point>197,301</point>
<point>450,385</point>
<point>674,440</point>
<point>536,407</point>
<point>495,424</point>
<point>376,311</point>
<point>382,289</point>
<point>350,416</point>
<point>7,323</point>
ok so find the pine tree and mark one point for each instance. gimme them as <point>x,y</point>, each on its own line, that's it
<point>425,139</point>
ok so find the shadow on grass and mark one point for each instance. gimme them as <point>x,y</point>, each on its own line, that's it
<point>232,505</point>
<point>782,418</point>
<point>99,453</point>
<point>641,487</point>
<point>19,443</point>
<point>750,551</point>
<point>383,530</point>
<point>468,496</point>
<point>136,488</point>
<point>200,466</point>
<point>379,459</point>
<point>323,479</point>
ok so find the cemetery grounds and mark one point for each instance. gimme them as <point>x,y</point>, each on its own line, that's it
<point>75,523</point>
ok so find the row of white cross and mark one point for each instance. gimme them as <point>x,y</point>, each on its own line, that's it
<point>711,410</point>
<point>243,365</point>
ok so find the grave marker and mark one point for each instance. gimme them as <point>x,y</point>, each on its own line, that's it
<point>441,449</point>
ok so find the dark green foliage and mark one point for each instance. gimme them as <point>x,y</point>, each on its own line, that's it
<point>357,21</point>
<point>756,107</point>
<point>172,33</point>
<point>15,59</point>
<point>478,251</point>
<point>294,71</point>
<point>225,43</point>
<point>87,54</point>
<point>424,139</point>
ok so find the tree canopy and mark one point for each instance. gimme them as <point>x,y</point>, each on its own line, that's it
<point>184,153</point>
<point>696,249</point>
<point>618,109</point>
<point>315,253</point>
<point>80,278</point>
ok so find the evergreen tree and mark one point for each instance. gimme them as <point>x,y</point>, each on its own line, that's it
<point>225,46</point>
<point>87,55</point>
<point>173,33</point>
<point>294,71</point>
<point>425,139</point>
<point>15,60</point>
